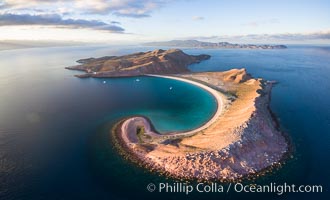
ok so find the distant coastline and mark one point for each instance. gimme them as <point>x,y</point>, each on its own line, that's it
<point>26,44</point>
<point>211,45</point>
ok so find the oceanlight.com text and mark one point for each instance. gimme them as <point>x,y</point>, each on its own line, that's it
<point>279,189</point>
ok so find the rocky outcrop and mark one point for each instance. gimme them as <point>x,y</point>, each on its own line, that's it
<point>172,61</point>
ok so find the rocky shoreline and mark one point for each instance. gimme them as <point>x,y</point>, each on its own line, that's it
<point>243,141</point>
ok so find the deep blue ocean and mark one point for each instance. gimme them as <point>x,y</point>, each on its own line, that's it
<point>54,127</point>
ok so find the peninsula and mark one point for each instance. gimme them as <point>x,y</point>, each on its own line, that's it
<point>211,45</point>
<point>241,139</point>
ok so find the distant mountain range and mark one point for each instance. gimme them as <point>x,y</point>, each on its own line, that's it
<point>24,44</point>
<point>212,45</point>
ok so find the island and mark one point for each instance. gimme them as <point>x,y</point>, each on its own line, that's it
<point>241,140</point>
<point>211,45</point>
<point>159,61</point>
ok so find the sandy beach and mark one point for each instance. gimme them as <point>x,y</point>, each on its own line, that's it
<point>219,98</point>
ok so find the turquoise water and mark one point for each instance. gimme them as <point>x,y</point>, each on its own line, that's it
<point>54,128</point>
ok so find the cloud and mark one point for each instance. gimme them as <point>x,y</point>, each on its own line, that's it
<point>20,4</point>
<point>197,18</point>
<point>122,8</point>
<point>132,15</point>
<point>56,20</point>
<point>115,22</point>
<point>2,5</point>
<point>321,35</point>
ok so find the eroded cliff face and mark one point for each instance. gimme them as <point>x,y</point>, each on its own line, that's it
<point>172,61</point>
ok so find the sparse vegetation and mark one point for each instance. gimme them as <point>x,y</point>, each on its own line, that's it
<point>140,131</point>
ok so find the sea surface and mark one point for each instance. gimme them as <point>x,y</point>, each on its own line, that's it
<point>54,128</point>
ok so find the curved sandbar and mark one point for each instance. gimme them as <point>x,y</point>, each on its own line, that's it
<point>220,99</point>
<point>240,140</point>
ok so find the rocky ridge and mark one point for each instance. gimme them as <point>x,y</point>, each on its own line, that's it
<point>172,61</point>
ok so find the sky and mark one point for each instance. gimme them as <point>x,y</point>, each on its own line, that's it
<point>136,21</point>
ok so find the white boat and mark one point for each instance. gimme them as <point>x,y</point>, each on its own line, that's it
<point>137,80</point>
<point>171,88</point>
<point>104,82</point>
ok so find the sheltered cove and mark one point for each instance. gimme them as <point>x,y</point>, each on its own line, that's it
<point>241,139</point>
